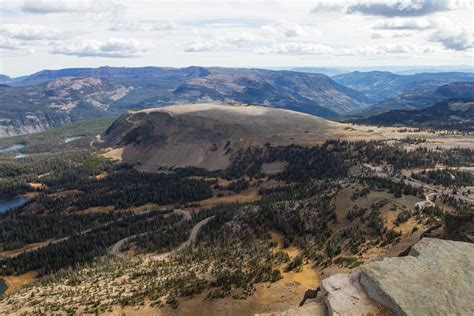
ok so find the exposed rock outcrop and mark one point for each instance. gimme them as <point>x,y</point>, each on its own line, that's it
<point>436,278</point>
<point>344,295</point>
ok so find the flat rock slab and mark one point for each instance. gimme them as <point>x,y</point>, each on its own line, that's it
<point>436,278</point>
<point>344,295</point>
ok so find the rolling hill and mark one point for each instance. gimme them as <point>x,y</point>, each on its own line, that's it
<point>206,135</point>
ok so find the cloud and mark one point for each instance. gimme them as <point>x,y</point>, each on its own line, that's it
<point>202,45</point>
<point>303,48</point>
<point>391,8</point>
<point>296,48</point>
<point>403,24</point>
<point>458,40</point>
<point>7,43</point>
<point>290,29</point>
<point>328,6</point>
<point>283,29</point>
<point>230,40</point>
<point>400,8</point>
<point>28,32</point>
<point>392,35</point>
<point>451,34</point>
<point>139,26</point>
<point>113,48</point>
<point>69,6</point>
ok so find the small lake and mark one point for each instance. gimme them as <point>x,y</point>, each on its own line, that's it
<point>19,156</point>
<point>11,148</point>
<point>3,287</point>
<point>7,205</point>
<point>22,155</point>
<point>71,139</point>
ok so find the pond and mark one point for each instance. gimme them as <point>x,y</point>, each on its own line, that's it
<point>20,155</point>
<point>71,139</point>
<point>11,148</point>
<point>7,205</point>
<point>3,287</point>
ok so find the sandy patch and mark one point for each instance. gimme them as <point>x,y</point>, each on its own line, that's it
<point>114,154</point>
<point>16,282</point>
<point>243,197</point>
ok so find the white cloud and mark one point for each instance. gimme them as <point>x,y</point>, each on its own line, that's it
<point>397,34</point>
<point>292,30</point>
<point>7,43</point>
<point>240,38</point>
<point>201,45</point>
<point>452,35</point>
<point>300,48</point>
<point>69,6</point>
<point>391,8</point>
<point>142,26</point>
<point>329,6</point>
<point>296,48</point>
<point>285,29</point>
<point>403,24</point>
<point>229,40</point>
<point>113,48</point>
<point>28,32</point>
<point>453,39</point>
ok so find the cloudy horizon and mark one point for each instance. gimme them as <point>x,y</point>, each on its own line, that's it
<point>53,34</point>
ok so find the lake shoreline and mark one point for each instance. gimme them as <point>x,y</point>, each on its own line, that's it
<point>10,204</point>
<point>3,287</point>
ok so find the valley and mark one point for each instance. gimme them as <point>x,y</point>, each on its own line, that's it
<point>237,158</point>
<point>216,208</point>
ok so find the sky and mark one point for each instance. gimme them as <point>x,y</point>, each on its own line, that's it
<point>55,34</point>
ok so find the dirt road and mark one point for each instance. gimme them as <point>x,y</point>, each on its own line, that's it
<point>191,240</point>
<point>116,248</point>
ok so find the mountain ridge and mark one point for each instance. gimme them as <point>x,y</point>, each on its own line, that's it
<point>147,87</point>
<point>380,85</point>
<point>450,114</point>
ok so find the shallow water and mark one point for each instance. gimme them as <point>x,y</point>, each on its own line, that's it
<point>22,156</point>
<point>71,139</point>
<point>10,204</point>
<point>3,287</point>
<point>11,148</point>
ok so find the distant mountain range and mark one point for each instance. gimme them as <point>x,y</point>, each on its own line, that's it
<point>423,98</point>
<point>380,85</point>
<point>51,98</point>
<point>449,114</point>
<point>54,97</point>
<point>310,93</point>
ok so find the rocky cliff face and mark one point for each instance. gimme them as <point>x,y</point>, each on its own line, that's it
<point>58,102</point>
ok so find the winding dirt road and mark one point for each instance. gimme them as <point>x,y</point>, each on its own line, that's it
<point>116,248</point>
<point>191,240</point>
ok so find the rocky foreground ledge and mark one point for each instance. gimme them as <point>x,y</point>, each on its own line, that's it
<point>435,278</point>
